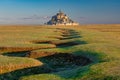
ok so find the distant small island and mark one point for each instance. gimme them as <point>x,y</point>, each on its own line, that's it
<point>61,19</point>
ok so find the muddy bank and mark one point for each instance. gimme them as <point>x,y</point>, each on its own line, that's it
<point>64,61</point>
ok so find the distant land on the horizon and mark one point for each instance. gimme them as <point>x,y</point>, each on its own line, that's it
<point>41,11</point>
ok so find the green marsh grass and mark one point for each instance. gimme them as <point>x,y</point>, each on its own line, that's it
<point>100,43</point>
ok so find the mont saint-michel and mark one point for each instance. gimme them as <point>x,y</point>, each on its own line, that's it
<point>61,19</point>
<point>59,39</point>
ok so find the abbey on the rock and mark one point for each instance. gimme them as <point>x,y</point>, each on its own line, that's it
<point>61,19</point>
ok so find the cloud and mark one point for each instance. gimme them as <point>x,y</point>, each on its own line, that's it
<point>82,18</point>
<point>35,17</point>
<point>4,18</point>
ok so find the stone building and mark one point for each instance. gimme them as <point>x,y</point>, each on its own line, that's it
<point>61,19</point>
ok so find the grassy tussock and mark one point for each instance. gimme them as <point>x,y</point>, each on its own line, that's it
<point>8,64</point>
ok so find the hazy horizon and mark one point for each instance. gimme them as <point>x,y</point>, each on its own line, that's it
<point>41,11</point>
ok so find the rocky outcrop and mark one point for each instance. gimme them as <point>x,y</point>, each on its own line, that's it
<point>61,19</point>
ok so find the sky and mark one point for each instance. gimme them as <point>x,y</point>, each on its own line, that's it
<point>41,11</point>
